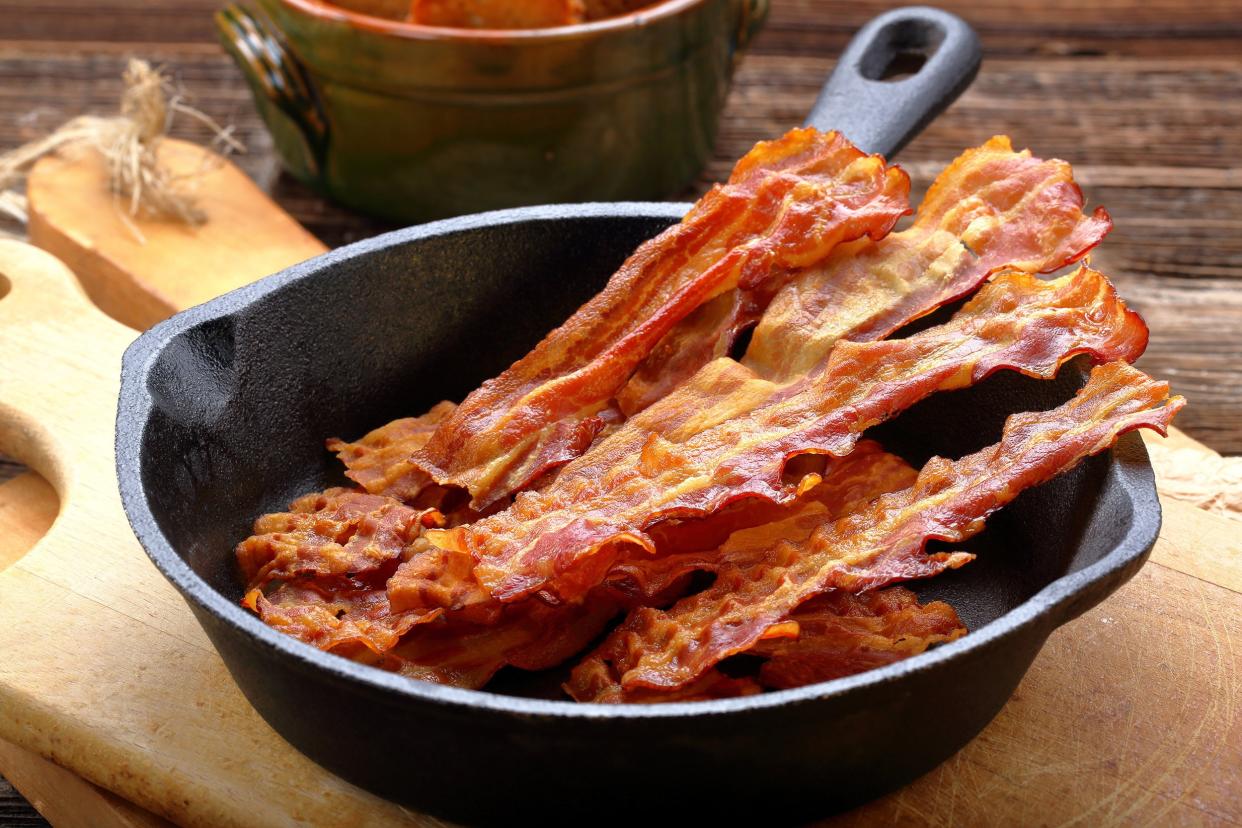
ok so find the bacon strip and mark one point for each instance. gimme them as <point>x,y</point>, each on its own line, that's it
<point>378,462</point>
<point>594,681</point>
<point>337,617</point>
<point>991,208</point>
<point>840,634</point>
<point>562,540</point>
<point>835,635</point>
<point>359,624</point>
<point>885,541</point>
<point>787,204</point>
<point>865,474</point>
<point>529,636</point>
<point>338,532</point>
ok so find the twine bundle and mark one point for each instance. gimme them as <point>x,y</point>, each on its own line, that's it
<point>128,143</point>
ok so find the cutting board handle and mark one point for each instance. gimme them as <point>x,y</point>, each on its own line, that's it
<point>60,362</point>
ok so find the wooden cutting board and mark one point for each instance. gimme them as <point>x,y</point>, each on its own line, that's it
<point>1129,714</point>
<point>140,271</point>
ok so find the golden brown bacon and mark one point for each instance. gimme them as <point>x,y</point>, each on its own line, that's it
<point>787,204</point>
<point>529,636</point>
<point>593,680</point>
<point>378,462</point>
<point>359,624</point>
<point>884,542</point>
<point>562,540</point>
<point>709,333</point>
<point>336,616</point>
<point>840,634</point>
<point>863,475</point>
<point>835,635</point>
<point>990,208</point>
<point>338,532</point>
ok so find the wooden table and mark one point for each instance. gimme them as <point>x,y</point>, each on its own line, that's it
<point>1143,96</point>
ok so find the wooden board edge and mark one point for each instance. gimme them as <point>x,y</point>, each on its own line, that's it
<point>67,800</point>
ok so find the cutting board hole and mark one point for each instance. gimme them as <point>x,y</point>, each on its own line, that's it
<point>5,286</point>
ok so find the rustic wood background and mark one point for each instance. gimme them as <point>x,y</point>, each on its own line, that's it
<point>1143,96</point>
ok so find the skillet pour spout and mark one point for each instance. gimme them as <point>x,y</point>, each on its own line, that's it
<point>222,413</point>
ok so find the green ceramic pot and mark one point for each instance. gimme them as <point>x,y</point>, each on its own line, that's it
<point>413,123</point>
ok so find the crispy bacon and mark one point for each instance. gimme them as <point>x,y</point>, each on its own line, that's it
<point>991,208</point>
<point>338,532</point>
<point>835,635</point>
<point>593,680</point>
<point>379,461</point>
<point>562,540</point>
<point>865,474</point>
<point>434,577</point>
<point>885,541</point>
<point>736,510</point>
<point>787,204</point>
<point>840,634</point>
<point>529,636</point>
<point>342,619</point>
<point>359,624</point>
<point>708,333</point>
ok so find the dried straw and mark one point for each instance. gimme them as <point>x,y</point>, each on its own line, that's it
<point>129,144</point>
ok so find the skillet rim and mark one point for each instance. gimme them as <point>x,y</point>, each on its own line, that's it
<point>1057,603</point>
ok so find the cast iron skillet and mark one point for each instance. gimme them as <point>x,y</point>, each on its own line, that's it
<point>224,409</point>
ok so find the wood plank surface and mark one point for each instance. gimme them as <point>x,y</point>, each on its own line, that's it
<point>1143,97</point>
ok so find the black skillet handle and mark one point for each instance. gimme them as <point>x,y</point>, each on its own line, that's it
<point>941,53</point>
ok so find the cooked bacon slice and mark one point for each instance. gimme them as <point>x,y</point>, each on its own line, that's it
<point>991,208</point>
<point>379,461</point>
<point>885,541</point>
<point>835,635</point>
<point>840,634</point>
<point>337,532</point>
<point>359,624</point>
<point>335,616</point>
<point>529,636</point>
<point>562,540</point>
<point>787,204</point>
<point>707,334</point>
<point>434,577</point>
<point>593,680</point>
<point>865,474</point>
<point>468,654</point>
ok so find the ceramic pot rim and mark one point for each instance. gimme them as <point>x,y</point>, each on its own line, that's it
<point>416,31</point>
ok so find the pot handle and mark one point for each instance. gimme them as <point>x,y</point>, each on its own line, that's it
<point>898,73</point>
<point>751,18</point>
<point>282,90</point>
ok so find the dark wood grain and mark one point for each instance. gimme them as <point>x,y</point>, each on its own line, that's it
<point>15,812</point>
<point>1143,96</point>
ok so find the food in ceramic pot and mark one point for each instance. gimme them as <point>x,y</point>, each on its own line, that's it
<point>495,14</point>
